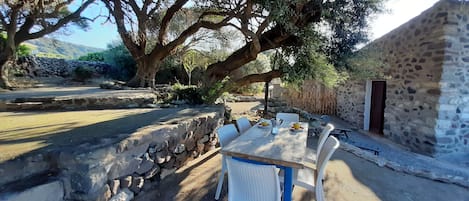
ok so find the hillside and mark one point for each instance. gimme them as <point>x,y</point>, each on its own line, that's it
<point>47,47</point>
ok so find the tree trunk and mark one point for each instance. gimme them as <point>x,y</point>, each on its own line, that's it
<point>4,82</point>
<point>146,72</point>
<point>7,58</point>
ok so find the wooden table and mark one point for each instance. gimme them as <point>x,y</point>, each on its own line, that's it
<point>285,149</point>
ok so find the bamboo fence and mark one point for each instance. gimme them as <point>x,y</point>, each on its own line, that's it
<point>312,97</point>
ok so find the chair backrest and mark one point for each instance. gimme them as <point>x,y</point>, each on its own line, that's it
<point>226,134</point>
<point>243,124</point>
<point>288,117</point>
<point>248,181</point>
<point>323,136</point>
<point>329,148</point>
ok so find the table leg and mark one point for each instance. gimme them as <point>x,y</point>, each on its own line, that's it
<point>288,184</point>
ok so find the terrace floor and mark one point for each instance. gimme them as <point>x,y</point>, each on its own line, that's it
<point>348,176</point>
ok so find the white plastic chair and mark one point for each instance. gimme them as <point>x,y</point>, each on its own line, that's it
<point>226,134</point>
<point>252,182</point>
<point>311,179</point>
<point>310,156</point>
<point>288,117</point>
<point>243,124</point>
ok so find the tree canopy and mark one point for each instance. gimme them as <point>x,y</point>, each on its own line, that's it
<point>313,37</point>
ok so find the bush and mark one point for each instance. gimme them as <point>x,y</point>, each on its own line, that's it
<point>83,73</point>
<point>95,56</point>
<point>189,93</point>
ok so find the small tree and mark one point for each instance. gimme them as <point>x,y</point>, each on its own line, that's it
<point>193,59</point>
<point>24,20</point>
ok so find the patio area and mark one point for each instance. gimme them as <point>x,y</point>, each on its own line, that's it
<point>348,177</point>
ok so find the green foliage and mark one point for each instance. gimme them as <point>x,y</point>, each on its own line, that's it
<point>94,56</point>
<point>24,50</point>
<point>83,73</point>
<point>210,95</point>
<point>309,63</point>
<point>191,94</point>
<point>193,59</point>
<point>365,63</point>
<point>260,65</point>
<point>123,64</point>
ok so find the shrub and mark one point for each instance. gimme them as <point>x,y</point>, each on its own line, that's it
<point>83,73</point>
<point>189,93</point>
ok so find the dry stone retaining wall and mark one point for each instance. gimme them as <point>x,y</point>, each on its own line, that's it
<point>116,171</point>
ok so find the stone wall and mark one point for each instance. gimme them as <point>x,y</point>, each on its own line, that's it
<point>111,170</point>
<point>351,102</point>
<point>47,67</point>
<point>452,126</point>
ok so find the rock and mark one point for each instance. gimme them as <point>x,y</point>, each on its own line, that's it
<point>166,172</point>
<point>204,139</point>
<point>160,157</point>
<point>124,167</point>
<point>145,166</point>
<point>179,149</point>
<point>126,182</point>
<point>114,186</point>
<point>152,150</point>
<point>124,195</point>
<point>137,184</point>
<point>153,172</point>
<point>106,194</point>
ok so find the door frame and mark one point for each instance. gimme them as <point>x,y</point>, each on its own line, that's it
<point>367,112</point>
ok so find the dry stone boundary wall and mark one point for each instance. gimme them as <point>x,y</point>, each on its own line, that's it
<point>50,67</point>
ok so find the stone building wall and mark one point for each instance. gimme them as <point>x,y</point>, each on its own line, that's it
<point>452,129</point>
<point>425,65</point>
<point>351,102</point>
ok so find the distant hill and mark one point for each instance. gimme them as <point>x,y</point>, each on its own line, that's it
<point>48,47</point>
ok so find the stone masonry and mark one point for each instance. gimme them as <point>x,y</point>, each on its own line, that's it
<point>351,102</point>
<point>425,66</point>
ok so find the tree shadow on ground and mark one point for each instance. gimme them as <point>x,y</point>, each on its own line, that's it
<point>195,181</point>
<point>110,131</point>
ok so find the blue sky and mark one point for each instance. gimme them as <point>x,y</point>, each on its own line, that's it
<point>102,33</point>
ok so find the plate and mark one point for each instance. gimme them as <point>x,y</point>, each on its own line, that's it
<point>261,126</point>
<point>296,130</point>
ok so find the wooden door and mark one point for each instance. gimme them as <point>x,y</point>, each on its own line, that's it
<point>378,97</point>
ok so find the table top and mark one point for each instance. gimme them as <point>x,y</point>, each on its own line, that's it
<point>286,148</point>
